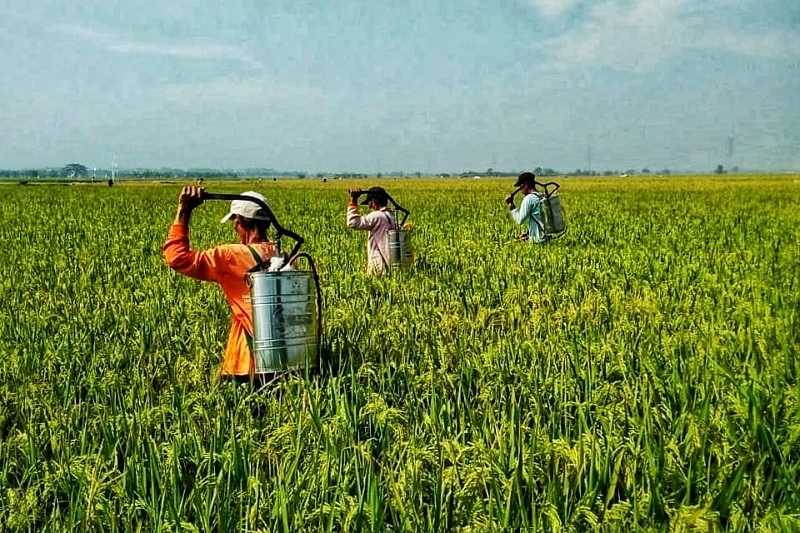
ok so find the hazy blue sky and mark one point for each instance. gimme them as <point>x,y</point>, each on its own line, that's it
<point>367,86</point>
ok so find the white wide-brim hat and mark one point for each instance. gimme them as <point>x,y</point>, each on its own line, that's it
<point>247,209</point>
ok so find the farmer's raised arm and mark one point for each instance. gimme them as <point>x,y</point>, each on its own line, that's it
<point>204,265</point>
<point>355,220</point>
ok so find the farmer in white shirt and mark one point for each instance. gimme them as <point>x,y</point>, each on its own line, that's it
<point>530,210</point>
<point>378,222</point>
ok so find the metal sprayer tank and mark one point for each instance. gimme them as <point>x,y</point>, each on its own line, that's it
<point>287,306</point>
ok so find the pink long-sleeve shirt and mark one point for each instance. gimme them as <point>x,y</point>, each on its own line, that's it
<point>378,223</point>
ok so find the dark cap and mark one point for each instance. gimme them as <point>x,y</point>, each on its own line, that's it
<point>526,178</point>
<point>376,193</point>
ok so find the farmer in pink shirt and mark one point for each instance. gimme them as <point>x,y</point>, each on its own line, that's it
<point>378,222</point>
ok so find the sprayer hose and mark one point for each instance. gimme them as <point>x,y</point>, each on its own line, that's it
<point>319,294</point>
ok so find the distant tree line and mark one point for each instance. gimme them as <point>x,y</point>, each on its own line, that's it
<point>78,171</point>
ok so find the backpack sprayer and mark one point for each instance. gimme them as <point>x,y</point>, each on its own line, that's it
<point>552,224</point>
<point>552,213</point>
<point>287,320</point>
<point>400,252</point>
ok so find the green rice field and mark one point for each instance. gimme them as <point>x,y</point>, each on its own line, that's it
<point>639,374</point>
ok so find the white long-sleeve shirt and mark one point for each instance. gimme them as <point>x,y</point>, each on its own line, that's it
<point>529,213</point>
<point>378,223</point>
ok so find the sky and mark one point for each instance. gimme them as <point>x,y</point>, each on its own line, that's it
<point>410,85</point>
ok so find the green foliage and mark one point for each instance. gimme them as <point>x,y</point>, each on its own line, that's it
<point>640,374</point>
<point>74,170</point>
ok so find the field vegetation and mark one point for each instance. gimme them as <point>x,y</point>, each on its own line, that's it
<point>640,374</point>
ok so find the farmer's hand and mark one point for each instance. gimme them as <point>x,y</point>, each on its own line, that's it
<point>354,194</point>
<point>190,198</point>
<point>510,200</point>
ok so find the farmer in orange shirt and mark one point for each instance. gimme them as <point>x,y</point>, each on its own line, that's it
<point>227,265</point>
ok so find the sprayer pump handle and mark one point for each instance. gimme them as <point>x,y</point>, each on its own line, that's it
<point>547,193</point>
<point>280,230</point>
<point>401,209</point>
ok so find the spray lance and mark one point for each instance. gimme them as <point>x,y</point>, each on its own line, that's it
<point>287,320</point>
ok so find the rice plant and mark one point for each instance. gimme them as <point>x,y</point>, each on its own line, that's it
<point>639,374</point>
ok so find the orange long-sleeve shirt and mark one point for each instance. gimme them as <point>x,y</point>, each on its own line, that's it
<point>227,265</point>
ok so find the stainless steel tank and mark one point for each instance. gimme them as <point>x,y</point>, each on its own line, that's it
<point>285,321</point>
<point>400,254</point>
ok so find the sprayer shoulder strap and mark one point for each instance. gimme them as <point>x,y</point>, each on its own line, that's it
<point>247,335</point>
<point>249,339</point>
<point>531,213</point>
<point>378,248</point>
<point>257,257</point>
<point>385,262</point>
<point>255,254</point>
<point>392,225</point>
